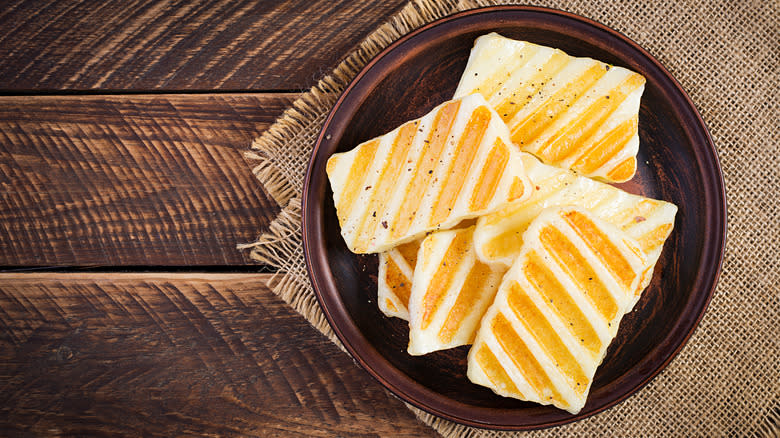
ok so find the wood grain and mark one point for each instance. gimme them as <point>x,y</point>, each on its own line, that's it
<point>179,45</point>
<point>131,180</point>
<point>147,355</point>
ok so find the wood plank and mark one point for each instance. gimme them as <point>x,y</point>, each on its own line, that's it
<point>131,180</point>
<point>179,45</point>
<point>176,354</point>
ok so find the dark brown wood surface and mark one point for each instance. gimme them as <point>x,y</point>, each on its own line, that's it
<point>179,45</point>
<point>122,129</point>
<point>152,354</point>
<point>131,180</point>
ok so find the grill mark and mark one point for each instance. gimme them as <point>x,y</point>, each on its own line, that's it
<point>527,130</point>
<point>644,279</point>
<point>623,171</point>
<point>655,238</point>
<point>494,167</point>
<point>465,153</point>
<point>522,357</point>
<point>437,139</point>
<point>606,147</point>
<point>385,184</point>
<point>398,283</point>
<point>474,288</point>
<point>364,157</point>
<point>540,328</point>
<point>491,85</point>
<point>567,140</point>
<point>626,218</point>
<point>408,252</point>
<point>426,247</point>
<point>636,250</point>
<point>444,275</point>
<point>544,282</point>
<point>516,190</point>
<point>495,372</point>
<point>524,92</point>
<point>390,306</point>
<point>597,241</point>
<point>503,245</point>
<point>579,270</point>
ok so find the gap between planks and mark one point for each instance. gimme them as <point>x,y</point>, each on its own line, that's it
<point>171,354</point>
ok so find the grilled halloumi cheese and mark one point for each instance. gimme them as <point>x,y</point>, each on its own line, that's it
<point>394,282</point>
<point>451,289</point>
<point>499,235</point>
<point>575,113</point>
<point>557,309</point>
<point>454,163</point>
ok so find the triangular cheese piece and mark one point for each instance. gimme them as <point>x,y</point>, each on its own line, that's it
<point>394,281</point>
<point>454,163</point>
<point>557,309</point>
<point>575,113</point>
<point>451,289</point>
<point>498,236</point>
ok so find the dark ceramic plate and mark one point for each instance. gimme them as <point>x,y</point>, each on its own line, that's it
<point>677,163</point>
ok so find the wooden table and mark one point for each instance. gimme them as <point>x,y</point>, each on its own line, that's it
<point>125,308</point>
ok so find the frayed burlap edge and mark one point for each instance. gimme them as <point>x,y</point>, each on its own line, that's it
<point>278,246</point>
<point>770,427</point>
<point>310,109</point>
<point>281,245</point>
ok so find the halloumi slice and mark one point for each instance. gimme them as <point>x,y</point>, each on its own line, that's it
<point>557,309</point>
<point>451,289</point>
<point>499,236</point>
<point>456,162</point>
<point>575,113</point>
<point>394,281</point>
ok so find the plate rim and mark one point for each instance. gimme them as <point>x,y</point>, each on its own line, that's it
<point>721,220</point>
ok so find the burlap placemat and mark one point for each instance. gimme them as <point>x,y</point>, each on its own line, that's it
<point>726,381</point>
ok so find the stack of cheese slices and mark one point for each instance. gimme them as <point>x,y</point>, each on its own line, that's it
<point>495,222</point>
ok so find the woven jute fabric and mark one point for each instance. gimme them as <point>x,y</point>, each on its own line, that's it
<point>726,55</point>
